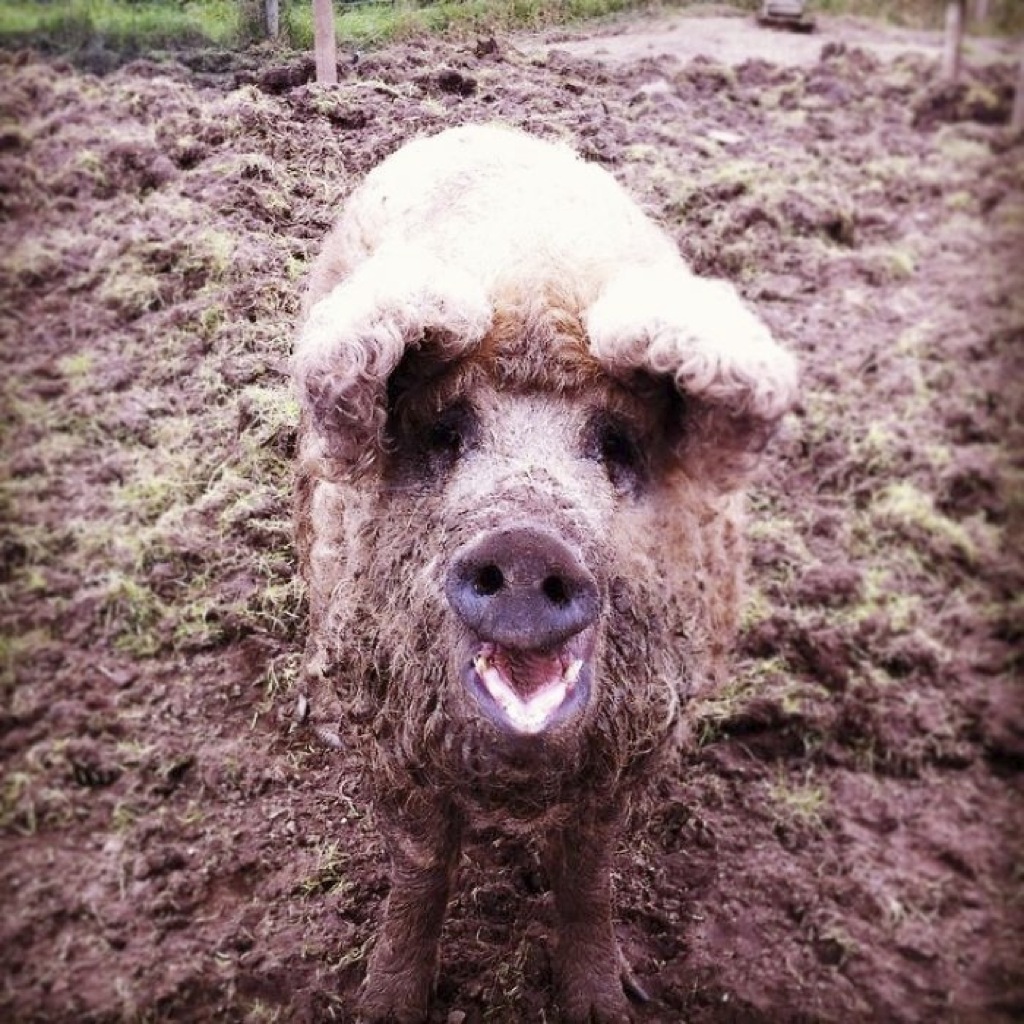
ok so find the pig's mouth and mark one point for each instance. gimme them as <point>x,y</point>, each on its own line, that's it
<point>530,692</point>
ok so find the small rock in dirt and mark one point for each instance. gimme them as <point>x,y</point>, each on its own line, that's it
<point>122,678</point>
<point>727,138</point>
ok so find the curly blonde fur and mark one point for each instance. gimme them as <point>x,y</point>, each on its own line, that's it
<point>455,227</point>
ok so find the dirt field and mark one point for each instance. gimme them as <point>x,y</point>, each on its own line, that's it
<point>841,843</point>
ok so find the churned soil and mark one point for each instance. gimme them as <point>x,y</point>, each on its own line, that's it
<point>841,840</point>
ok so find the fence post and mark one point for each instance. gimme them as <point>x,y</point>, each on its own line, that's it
<point>323,42</point>
<point>954,40</point>
<point>1017,116</point>
<point>273,12</point>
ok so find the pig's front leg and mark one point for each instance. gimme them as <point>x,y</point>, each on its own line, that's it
<point>424,849</point>
<point>591,976</point>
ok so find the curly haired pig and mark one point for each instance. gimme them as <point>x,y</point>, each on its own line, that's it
<point>525,426</point>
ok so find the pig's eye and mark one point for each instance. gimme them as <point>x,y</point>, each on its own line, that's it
<point>448,436</point>
<point>614,445</point>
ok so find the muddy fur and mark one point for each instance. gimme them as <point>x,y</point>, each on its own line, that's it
<point>446,398</point>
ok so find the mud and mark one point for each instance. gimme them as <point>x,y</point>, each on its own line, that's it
<point>842,840</point>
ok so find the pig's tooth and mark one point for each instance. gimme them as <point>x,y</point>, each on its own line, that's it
<point>572,673</point>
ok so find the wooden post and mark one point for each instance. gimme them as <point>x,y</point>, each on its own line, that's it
<point>324,43</point>
<point>273,13</point>
<point>1017,117</point>
<point>954,40</point>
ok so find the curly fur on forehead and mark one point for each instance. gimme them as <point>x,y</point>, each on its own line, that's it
<point>505,225</point>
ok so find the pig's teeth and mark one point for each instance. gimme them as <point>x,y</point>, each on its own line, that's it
<point>572,673</point>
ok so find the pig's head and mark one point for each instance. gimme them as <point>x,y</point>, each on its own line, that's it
<point>539,552</point>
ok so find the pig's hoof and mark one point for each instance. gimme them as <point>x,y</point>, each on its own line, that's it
<point>398,998</point>
<point>592,997</point>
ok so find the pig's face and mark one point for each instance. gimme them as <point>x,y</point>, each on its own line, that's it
<point>517,503</point>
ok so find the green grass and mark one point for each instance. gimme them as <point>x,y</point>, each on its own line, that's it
<point>122,25</point>
<point>119,25</point>
<point>131,26</point>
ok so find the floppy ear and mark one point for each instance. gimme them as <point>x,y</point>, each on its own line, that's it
<point>355,336</point>
<point>737,381</point>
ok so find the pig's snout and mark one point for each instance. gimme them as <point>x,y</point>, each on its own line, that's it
<point>524,589</point>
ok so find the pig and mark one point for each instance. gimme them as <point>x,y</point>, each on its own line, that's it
<point>525,431</point>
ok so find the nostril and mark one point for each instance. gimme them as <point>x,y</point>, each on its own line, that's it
<point>522,588</point>
<point>489,580</point>
<point>555,590</point>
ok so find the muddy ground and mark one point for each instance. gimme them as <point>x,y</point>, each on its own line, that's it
<point>843,840</point>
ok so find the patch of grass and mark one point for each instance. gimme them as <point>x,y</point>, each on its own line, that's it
<point>198,624</point>
<point>130,614</point>
<point>278,608</point>
<point>756,608</point>
<point>892,263</point>
<point>14,649</point>
<point>29,801</point>
<point>121,25</point>
<point>883,595</point>
<point>151,494</point>
<point>123,816</point>
<point>713,713</point>
<point>904,508</point>
<point>259,1012</point>
<point>330,874</point>
<point>802,801</point>
<point>504,997</point>
<point>875,450</point>
<point>129,289</point>
<point>960,150</point>
<point>77,366</point>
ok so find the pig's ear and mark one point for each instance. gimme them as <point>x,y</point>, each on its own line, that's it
<point>355,336</point>
<point>736,380</point>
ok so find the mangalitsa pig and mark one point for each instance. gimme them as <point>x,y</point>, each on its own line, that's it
<point>525,426</point>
